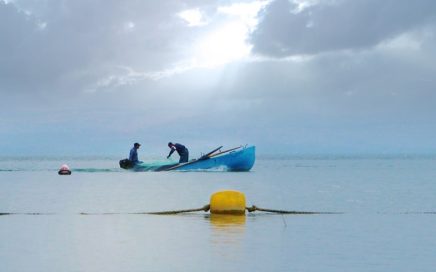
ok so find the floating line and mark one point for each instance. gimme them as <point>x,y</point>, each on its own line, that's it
<point>205,208</point>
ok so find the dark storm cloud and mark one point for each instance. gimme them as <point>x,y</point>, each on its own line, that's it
<point>336,25</point>
<point>54,46</point>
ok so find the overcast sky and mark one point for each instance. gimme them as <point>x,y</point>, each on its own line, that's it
<point>299,77</point>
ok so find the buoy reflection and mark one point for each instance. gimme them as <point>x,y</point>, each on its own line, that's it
<point>225,221</point>
<point>227,234</point>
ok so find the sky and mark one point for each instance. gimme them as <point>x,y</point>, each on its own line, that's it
<point>289,76</point>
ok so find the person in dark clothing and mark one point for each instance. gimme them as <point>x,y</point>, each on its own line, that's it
<point>181,150</point>
<point>133,156</point>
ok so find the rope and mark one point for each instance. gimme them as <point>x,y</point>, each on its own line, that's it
<point>255,208</point>
<point>28,213</point>
<point>204,208</point>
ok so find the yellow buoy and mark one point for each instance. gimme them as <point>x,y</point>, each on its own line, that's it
<point>227,202</point>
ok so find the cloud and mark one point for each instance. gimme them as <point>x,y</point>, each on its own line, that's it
<point>299,76</point>
<point>193,17</point>
<point>294,28</point>
<point>73,46</point>
<point>69,45</point>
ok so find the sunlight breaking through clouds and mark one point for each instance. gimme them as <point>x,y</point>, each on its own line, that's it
<point>301,5</point>
<point>227,43</point>
<point>222,46</point>
<point>193,17</point>
<point>246,13</point>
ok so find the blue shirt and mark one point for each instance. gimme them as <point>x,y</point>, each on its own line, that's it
<point>133,156</point>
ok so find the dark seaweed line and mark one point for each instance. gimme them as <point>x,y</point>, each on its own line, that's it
<point>172,212</point>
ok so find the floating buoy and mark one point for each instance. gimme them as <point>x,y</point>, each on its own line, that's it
<point>232,203</point>
<point>227,202</point>
<point>65,170</point>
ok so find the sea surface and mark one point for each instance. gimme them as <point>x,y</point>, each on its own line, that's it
<point>92,221</point>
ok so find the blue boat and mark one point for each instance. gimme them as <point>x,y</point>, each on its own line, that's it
<point>235,159</point>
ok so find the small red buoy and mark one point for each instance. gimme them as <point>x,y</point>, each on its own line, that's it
<point>65,170</point>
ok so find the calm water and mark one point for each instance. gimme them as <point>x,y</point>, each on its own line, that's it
<point>388,224</point>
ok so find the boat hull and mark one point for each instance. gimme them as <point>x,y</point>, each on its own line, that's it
<point>240,160</point>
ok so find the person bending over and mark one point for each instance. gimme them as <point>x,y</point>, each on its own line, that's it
<point>181,150</point>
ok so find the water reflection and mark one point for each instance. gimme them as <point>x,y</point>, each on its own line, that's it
<point>224,221</point>
<point>227,236</point>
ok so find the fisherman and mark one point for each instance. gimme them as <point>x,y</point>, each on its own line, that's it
<point>133,156</point>
<point>181,150</point>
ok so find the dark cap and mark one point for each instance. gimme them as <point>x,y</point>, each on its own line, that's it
<point>170,144</point>
<point>137,144</point>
